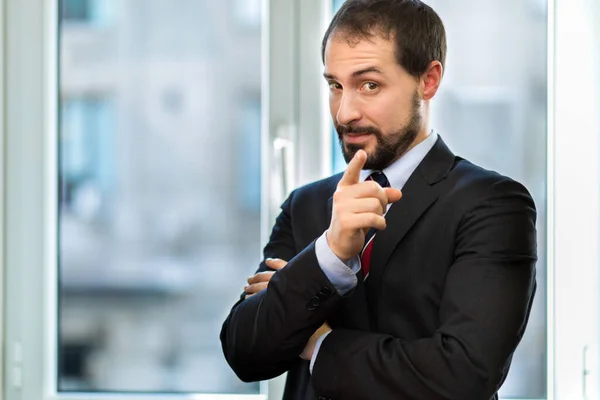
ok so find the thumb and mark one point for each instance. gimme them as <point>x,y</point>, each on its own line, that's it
<point>393,195</point>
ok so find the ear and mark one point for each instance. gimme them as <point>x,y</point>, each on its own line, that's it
<point>431,79</point>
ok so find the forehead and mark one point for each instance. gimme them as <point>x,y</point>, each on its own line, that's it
<point>343,55</point>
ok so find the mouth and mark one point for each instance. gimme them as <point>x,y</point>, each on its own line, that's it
<point>356,137</point>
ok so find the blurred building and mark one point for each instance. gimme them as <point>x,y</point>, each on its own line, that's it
<point>160,189</point>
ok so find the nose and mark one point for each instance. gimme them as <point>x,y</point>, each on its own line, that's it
<point>349,111</point>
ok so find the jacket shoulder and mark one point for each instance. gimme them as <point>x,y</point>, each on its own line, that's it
<point>478,182</point>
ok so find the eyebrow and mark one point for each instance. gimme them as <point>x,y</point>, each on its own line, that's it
<point>356,73</point>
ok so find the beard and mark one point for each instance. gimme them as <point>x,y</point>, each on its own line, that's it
<point>389,146</point>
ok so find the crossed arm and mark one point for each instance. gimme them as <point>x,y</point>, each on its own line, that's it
<point>483,314</point>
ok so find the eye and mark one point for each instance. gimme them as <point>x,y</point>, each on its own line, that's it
<point>370,86</point>
<point>334,86</point>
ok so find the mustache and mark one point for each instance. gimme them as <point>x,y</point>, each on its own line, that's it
<point>357,130</point>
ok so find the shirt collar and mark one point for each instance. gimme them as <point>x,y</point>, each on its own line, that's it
<point>400,170</point>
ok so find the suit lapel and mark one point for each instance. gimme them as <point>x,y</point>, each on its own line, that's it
<point>417,197</point>
<point>418,194</point>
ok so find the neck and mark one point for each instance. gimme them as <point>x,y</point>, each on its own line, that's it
<point>423,134</point>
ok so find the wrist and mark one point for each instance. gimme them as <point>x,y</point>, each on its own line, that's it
<point>335,249</point>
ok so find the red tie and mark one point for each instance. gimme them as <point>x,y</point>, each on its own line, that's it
<point>365,257</point>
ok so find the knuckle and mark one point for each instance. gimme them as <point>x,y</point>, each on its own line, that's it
<point>377,220</point>
<point>366,187</point>
<point>338,195</point>
<point>375,205</point>
<point>345,223</point>
<point>373,186</point>
<point>341,208</point>
<point>373,220</point>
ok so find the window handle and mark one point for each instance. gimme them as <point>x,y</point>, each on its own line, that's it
<point>283,174</point>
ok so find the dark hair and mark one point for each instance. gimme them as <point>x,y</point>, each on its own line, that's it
<point>415,27</point>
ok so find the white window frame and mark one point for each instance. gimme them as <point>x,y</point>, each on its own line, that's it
<point>293,121</point>
<point>574,200</point>
<point>2,193</point>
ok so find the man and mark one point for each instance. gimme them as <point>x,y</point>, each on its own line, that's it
<point>422,294</point>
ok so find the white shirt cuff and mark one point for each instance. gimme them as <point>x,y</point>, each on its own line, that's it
<point>342,275</point>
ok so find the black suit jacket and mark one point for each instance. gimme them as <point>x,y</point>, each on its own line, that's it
<point>447,301</point>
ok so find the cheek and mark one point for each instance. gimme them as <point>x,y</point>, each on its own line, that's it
<point>390,112</point>
<point>382,112</point>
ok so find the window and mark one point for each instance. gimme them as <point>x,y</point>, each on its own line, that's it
<point>76,10</point>
<point>87,146</point>
<point>159,195</point>
<point>247,13</point>
<point>115,302</point>
<point>87,12</point>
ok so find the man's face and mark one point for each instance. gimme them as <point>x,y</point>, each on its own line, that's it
<point>373,101</point>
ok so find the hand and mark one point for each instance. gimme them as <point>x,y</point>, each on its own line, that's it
<point>259,281</point>
<point>309,349</point>
<point>357,207</point>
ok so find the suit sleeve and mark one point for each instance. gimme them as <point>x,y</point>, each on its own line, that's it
<point>264,334</point>
<point>483,314</point>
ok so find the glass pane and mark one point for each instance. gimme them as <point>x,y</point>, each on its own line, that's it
<point>75,10</point>
<point>159,191</point>
<point>491,109</point>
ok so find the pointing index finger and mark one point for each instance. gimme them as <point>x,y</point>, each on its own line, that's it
<point>352,174</point>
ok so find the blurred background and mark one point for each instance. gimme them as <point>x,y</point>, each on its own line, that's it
<point>181,127</point>
<point>160,119</point>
